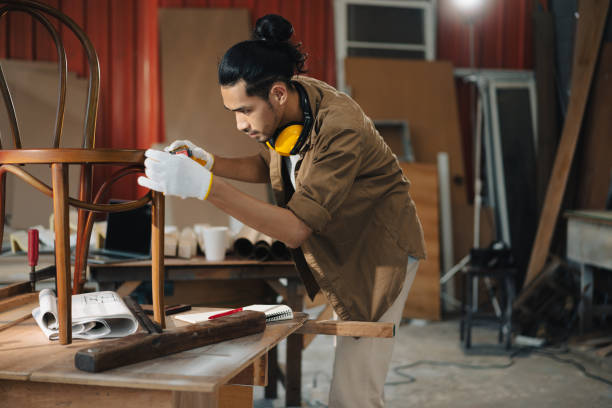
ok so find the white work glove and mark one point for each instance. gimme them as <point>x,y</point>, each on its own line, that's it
<point>175,174</point>
<point>197,153</point>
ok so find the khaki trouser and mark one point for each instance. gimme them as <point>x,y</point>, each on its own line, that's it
<point>361,364</point>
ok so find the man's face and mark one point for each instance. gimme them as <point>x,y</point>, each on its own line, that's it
<point>257,117</point>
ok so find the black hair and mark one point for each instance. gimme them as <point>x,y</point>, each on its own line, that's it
<point>267,58</point>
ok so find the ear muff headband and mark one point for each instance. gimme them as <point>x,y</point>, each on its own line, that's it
<point>288,140</point>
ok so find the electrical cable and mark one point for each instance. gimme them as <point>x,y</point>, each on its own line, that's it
<point>580,367</point>
<point>549,352</point>
<point>554,355</point>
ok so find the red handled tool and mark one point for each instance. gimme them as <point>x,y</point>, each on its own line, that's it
<point>33,254</point>
<point>227,313</point>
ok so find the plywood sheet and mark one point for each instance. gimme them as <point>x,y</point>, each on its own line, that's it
<point>421,93</point>
<point>192,44</point>
<point>34,87</point>
<point>424,298</point>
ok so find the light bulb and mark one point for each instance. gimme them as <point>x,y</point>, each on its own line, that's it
<point>468,5</point>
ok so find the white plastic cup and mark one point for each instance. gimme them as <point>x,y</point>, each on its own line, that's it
<point>215,243</point>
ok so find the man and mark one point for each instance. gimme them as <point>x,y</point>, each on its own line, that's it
<point>342,200</point>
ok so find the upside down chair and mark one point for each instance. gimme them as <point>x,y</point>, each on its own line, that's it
<point>16,158</point>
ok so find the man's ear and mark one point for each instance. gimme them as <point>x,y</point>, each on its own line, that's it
<point>279,93</point>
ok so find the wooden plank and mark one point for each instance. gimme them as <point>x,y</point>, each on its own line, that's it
<point>550,268</point>
<point>15,289</point>
<point>589,30</point>
<point>325,314</point>
<point>24,316</point>
<point>424,298</point>
<point>348,328</point>
<point>142,347</point>
<point>423,94</point>
<point>17,314</point>
<point>127,288</point>
<point>595,155</point>
<point>18,300</point>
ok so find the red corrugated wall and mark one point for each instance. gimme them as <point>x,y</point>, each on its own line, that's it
<point>124,33</point>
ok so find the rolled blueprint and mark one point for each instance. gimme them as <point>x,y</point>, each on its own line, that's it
<point>244,242</point>
<point>279,250</point>
<point>263,248</point>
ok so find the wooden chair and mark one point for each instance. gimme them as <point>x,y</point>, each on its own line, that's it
<point>87,156</point>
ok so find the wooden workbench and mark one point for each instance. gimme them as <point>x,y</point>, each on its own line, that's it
<point>35,372</point>
<point>199,270</point>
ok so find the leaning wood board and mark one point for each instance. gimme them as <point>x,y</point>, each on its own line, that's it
<point>595,158</point>
<point>424,298</point>
<point>589,30</point>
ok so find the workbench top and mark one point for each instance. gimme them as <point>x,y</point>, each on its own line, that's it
<point>25,354</point>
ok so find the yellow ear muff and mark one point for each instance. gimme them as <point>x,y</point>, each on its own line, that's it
<point>287,139</point>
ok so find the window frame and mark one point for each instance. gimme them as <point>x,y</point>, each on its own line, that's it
<point>341,31</point>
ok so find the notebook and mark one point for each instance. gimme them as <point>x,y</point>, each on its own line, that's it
<point>273,313</point>
<point>128,237</point>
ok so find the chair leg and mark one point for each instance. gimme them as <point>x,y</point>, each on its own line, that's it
<point>59,173</point>
<point>157,258</point>
<point>83,234</point>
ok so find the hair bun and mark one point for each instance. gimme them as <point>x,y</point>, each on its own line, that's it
<point>273,27</point>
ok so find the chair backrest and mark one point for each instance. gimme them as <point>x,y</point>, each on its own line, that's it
<point>40,12</point>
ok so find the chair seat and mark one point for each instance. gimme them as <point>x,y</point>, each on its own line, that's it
<point>71,155</point>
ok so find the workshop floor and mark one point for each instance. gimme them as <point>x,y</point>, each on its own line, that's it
<point>441,375</point>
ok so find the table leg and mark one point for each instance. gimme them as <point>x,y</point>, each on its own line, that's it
<point>228,396</point>
<point>293,376</point>
<point>186,399</point>
<point>62,250</point>
<point>271,391</point>
<point>586,305</point>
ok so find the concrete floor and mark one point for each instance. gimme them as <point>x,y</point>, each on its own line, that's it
<point>533,380</point>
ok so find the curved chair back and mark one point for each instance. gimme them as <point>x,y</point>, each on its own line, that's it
<point>40,12</point>
<point>60,158</point>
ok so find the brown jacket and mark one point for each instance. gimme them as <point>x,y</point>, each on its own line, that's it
<point>351,192</point>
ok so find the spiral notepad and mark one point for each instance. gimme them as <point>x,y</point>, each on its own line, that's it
<point>272,312</point>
